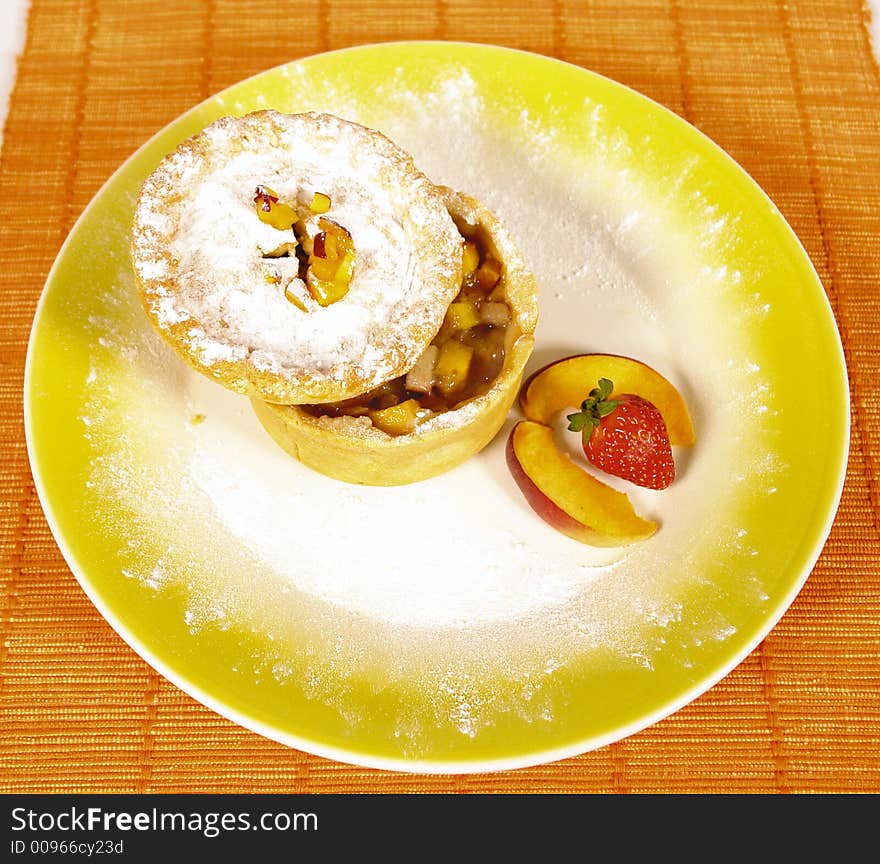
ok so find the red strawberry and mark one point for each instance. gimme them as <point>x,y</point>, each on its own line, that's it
<point>625,436</point>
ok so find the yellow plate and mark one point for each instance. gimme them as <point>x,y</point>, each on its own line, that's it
<point>443,626</point>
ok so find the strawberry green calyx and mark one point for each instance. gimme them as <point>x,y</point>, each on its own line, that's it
<point>596,406</point>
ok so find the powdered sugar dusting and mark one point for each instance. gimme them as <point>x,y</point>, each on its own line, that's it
<point>199,249</point>
<point>452,587</point>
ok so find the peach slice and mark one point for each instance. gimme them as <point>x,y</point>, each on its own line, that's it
<point>567,497</point>
<point>566,383</point>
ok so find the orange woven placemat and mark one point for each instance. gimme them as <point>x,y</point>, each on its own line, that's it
<point>790,89</point>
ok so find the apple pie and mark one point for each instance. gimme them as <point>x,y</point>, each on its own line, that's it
<point>456,396</point>
<point>379,323</point>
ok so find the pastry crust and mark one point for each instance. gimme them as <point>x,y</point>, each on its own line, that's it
<point>353,450</point>
<point>199,248</point>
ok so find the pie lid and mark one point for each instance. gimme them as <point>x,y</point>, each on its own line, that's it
<point>200,250</point>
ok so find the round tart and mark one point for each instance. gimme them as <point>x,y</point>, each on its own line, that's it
<point>454,398</point>
<point>296,258</point>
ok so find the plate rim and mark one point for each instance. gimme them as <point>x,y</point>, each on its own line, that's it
<point>535,756</point>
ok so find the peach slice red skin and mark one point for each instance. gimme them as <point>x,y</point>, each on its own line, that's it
<point>628,529</point>
<point>551,513</point>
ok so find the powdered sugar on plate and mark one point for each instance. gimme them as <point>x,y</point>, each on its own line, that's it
<point>453,586</point>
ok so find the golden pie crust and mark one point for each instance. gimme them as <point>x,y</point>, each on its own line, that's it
<point>200,256</point>
<point>351,449</point>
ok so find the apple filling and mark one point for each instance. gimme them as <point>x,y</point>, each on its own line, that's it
<point>321,249</point>
<point>463,359</point>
